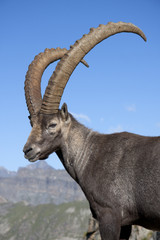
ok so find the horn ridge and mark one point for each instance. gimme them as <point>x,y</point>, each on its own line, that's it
<point>71,59</point>
<point>34,74</point>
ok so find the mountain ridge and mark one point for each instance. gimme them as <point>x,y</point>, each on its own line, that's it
<point>39,183</point>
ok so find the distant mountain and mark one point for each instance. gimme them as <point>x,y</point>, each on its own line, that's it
<point>40,164</point>
<point>5,173</point>
<point>39,183</point>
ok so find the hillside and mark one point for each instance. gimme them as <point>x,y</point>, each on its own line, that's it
<point>67,221</point>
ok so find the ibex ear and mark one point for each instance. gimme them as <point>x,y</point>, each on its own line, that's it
<point>64,112</point>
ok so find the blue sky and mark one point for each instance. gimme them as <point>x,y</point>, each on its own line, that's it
<point>120,90</point>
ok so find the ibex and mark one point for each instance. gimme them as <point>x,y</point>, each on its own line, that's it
<point>119,173</point>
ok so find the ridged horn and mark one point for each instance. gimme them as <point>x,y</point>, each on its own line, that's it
<point>34,74</point>
<point>68,63</point>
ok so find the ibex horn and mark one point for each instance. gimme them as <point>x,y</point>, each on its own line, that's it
<point>68,63</point>
<point>34,74</point>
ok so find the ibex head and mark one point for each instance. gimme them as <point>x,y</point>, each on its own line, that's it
<point>49,124</point>
<point>46,134</point>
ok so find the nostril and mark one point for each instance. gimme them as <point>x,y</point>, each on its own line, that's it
<point>27,150</point>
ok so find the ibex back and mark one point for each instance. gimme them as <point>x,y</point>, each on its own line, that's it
<point>119,173</point>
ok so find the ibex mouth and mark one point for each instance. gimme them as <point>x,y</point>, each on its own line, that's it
<point>38,156</point>
<point>32,158</point>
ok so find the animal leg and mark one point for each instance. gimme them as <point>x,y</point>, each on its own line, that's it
<point>109,226</point>
<point>125,232</point>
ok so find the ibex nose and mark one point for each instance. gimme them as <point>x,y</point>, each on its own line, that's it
<point>27,149</point>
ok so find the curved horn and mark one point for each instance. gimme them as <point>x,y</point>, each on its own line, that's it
<point>68,63</point>
<point>34,74</point>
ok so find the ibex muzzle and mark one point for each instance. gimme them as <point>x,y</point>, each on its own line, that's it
<point>112,169</point>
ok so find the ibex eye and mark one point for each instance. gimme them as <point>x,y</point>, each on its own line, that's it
<point>53,125</point>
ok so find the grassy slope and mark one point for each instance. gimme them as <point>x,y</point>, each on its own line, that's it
<point>44,222</point>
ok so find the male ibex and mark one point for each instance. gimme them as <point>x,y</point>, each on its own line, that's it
<point>119,173</point>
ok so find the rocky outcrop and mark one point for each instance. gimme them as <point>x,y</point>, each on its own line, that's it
<point>138,233</point>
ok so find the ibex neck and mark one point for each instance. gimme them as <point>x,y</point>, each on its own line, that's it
<point>74,149</point>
